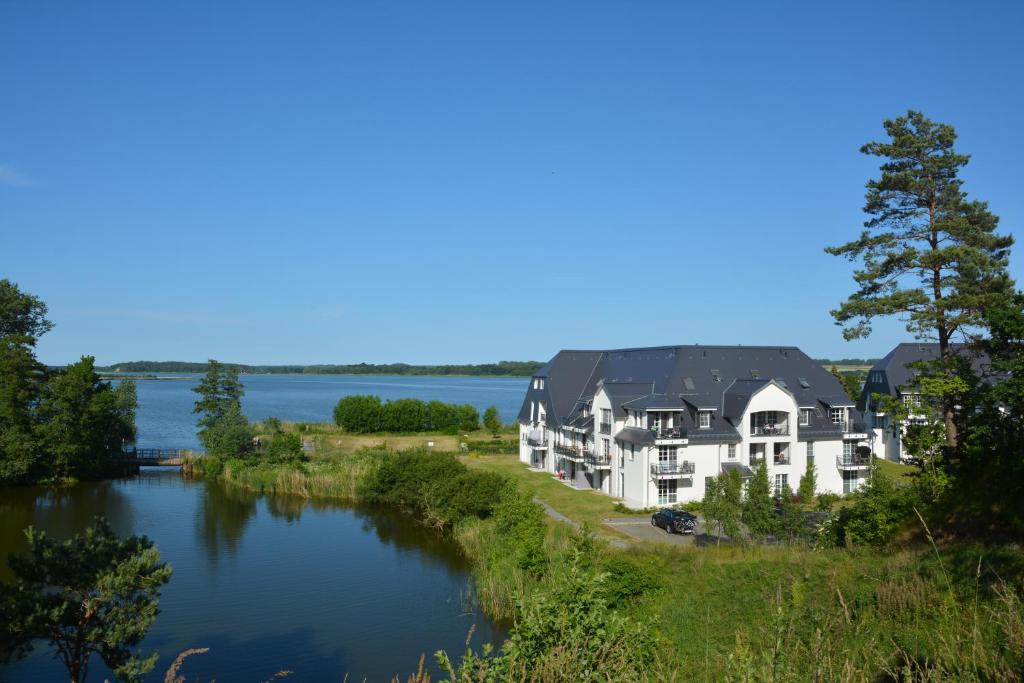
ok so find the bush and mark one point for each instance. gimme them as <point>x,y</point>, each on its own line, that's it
<point>628,578</point>
<point>522,522</point>
<point>284,447</point>
<point>229,436</point>
<point>878,511</point>
<point>366,414</point>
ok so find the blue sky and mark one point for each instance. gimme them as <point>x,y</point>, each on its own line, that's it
<point>271,182</point>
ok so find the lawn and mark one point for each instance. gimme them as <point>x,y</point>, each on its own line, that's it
<point>581,506</point>
<point>901,474</point>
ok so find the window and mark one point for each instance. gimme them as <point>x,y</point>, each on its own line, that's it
<point>605,447</point>
<point>837,415</point>
<point>850,481</point>
<point>849,450</point>
<point>781,482</point>
<point>632,452</point>
<point>732,451</point>
<point>810,453</point>
<point>707,482</point>
<point>877,377</point>
<point>656,421</point>
<point>606,415</point>
<point>912,400</point>
<point>704,417</point>
<point>666,491</point>
<point>803,382</point>
<point>805,417</point>
<point>666,453</point>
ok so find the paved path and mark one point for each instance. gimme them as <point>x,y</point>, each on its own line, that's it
<point>556,515</point>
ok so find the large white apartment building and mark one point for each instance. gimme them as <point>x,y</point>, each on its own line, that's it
<point>895,376</point>
<point>652,425</point>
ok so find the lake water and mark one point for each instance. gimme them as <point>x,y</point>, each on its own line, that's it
<point>165,418</point>
<point>274,583</point>
<point>267,583</point>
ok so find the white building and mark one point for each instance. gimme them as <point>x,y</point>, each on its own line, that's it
<point>651,426</point>
<point>895,376</point>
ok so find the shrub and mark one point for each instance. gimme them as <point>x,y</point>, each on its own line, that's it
<point>284,447</point>
<point>878,511</point>
<point>366,414</point>
<point>229,436</point>
<point>359,414</point>
<point>523,523</point>
<point>628,577</point>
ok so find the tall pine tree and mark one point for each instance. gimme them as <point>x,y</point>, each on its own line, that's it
<point>928,255</point>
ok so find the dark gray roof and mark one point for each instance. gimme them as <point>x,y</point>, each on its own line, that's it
<point>655,402</point>
<point>699,375</point>
<point>636,435</point>
<point>745,472</point>
<point>738,394</point>
<point>892,373</point>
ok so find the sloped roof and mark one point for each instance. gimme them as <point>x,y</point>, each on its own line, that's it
<point>892,373</point>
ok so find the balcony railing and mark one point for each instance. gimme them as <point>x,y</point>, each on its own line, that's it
<point>850,427</point>
<point>598,460</point>
<point>672,467</point>
<point>670,433</point>
<point>575,451</point>
<point>605,427</point>
<point>781,458</point>
<point>756,460</point>
<point>769,430</point>
<point>542,442</point>
<point>853,462</point>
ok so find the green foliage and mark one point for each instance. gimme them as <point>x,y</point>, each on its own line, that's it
<point>272,425</point>
<point>505,368</point>
<point>628,577</point>
<point>723,503</point>
<point>92,594</point>
<point>568,632</point>
<point>230,436</point>
<point>758,504</point>
<point>521,522</point>
<point>826,501</point>
<point>84,422</point>
<point>808,483</point>
<point>284,447</point>
<point>877,511</point>
<point>790,524</point>
<point>360,414</point>
<point>492,420</point>
<point>438,488</point>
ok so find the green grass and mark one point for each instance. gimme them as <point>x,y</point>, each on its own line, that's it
<point>901,474</point>
<point>581,506</point>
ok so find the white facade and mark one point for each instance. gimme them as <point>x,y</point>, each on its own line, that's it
<point>647,458</point>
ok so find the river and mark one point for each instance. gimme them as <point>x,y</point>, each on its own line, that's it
<point>273,583</point>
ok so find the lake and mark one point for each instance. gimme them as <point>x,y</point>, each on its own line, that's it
<point>274,583</point>
<point>267,583</point>
<point>165,418</point>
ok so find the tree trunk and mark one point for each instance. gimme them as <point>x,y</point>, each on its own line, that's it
<point>945,356</point>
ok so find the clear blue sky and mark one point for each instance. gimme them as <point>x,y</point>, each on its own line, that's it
<point>276,182</point>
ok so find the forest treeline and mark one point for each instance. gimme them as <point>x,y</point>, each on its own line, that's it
<point>505,368</point>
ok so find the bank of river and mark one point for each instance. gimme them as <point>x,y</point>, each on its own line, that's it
<point>269,583</point>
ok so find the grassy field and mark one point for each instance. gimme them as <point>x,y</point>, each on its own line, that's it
<point>581,506</point>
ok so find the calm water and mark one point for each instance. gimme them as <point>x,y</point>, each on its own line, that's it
<point>165,418</point>
<point>268,583</point>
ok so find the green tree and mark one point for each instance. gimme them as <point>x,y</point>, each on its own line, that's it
<point>223,429</point>
<point>219,391</point>
<point>85,422</point>
<point>851,382</point>
<point>22,379</point>
<point>758,506</point>
<point>928,254</point>
<point>92,594</point>
<point>808,483</point>
<point>284,447</point>
<point>231,436</point>
<point>359,414</point>
<point>492,420</point>
<point>723,503</point>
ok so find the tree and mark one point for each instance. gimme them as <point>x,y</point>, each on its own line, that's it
<point>758,505</point>
<point>851,382</point>
<point>723,503</point>
<point>219,391</point>
<point>223,429</point>
<point>22,378</point>
<point>92,594</point>
<point>359,414</point>
<point>808,483</point>
<point>929,255</point>
<point>84,421</point>
<point>492,421</point>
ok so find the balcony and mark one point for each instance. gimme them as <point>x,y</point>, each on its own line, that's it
<point>677,435</point>
<point>854,430</point>
<point>598,461</point>
<point>781,459</point>
<point>853,462</point>
<point>769,429</point>
<point>605,427</point>
<point>575,452</point>
<point>537,441</point>
<point>672,468</point>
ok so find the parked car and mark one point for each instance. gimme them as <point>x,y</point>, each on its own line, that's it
<point>674,521</point>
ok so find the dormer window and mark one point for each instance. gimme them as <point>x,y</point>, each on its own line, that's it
<point>837,415</point>
<point>538,383</point>
<point>805,417</point>
<point>704,419</point>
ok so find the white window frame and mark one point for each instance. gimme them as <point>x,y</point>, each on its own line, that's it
<point>668,491</point>
<point>781,481</point>
<point>805,417</point>
<point>731,452</point>
<point>605,447</point>
<point>667,453</point>
<point>810,452</point>
<point>704,419</point>
<point>837,415</point>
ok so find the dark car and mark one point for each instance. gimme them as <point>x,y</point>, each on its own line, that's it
<point>674,521</point>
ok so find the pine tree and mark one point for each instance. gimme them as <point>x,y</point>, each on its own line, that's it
<point>928,254</point>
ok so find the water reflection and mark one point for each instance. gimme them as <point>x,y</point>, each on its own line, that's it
<point>60,512</point>
<point>224,513</point>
